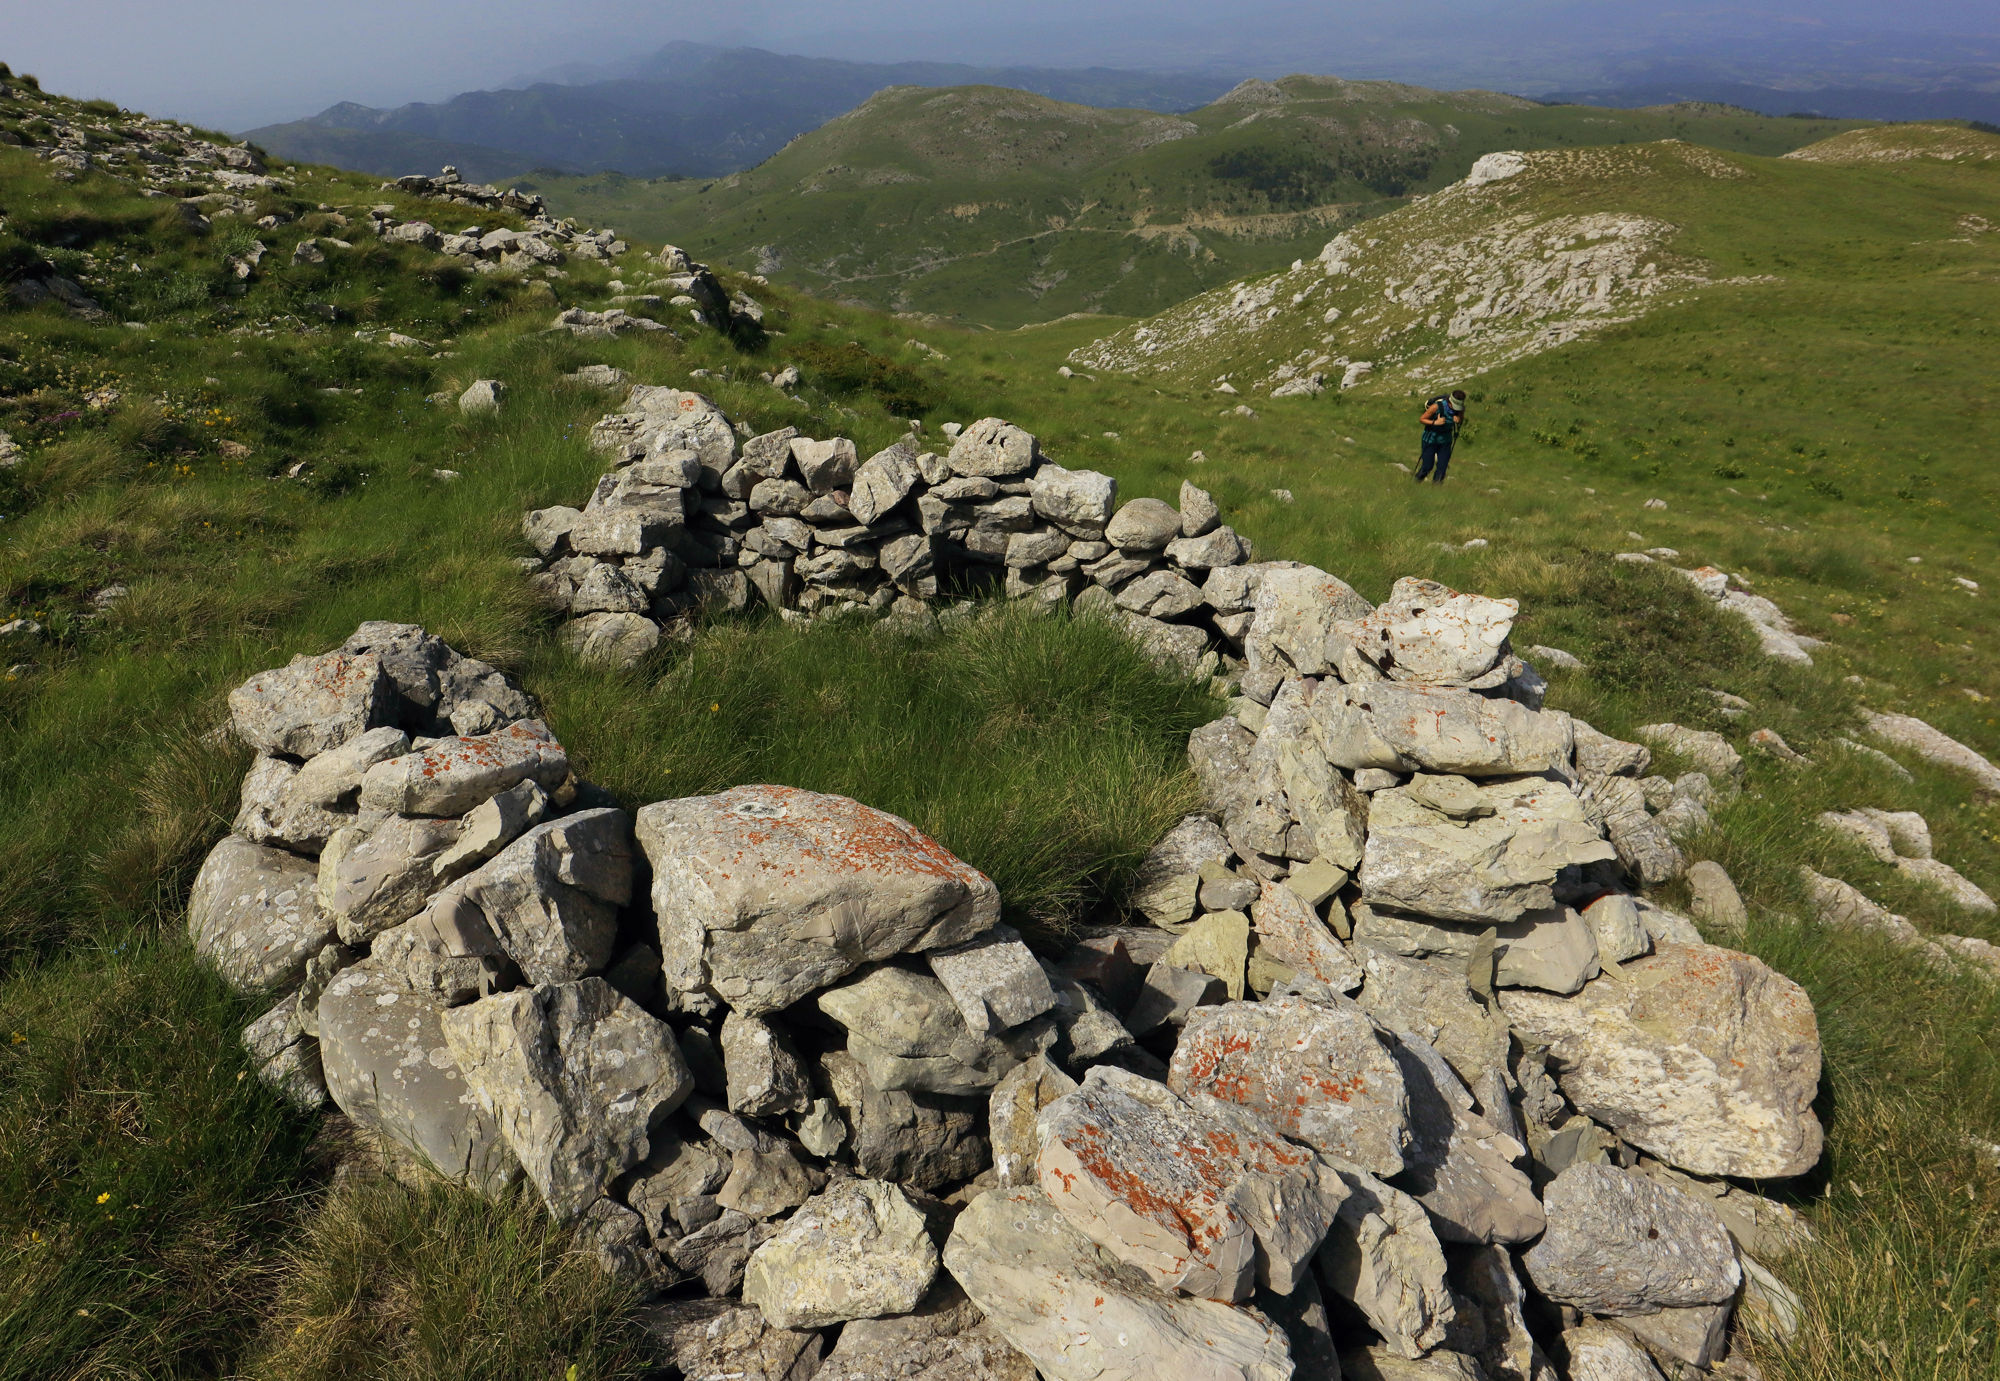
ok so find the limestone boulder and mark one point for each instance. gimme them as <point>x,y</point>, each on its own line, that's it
<point>1619,1243</point>
<point>1291,932</point>
<point>1641,839</point>
<point>254,914</point>
<point>453,775</point>
<point>923,1140</point>
<point>1459,1165</point>
<point>551,897</point>
<point>859,1250</point>
<point>312,704</point>
<point>1198,1196</point>
<point>1296,608</point>
<point>1143,525</point>
<point>1458,851</point>
<point>1704,749</point>
<point>267,812</point>
<point>1433,635</point>
<point>1704,1057</point>
<point>1316,1071</point>
<point>905,1029</point>
<point>1012,1113</point>
<point>1167,883</point>
<point>576,1075</point>
<point>1554,949</point>
<point>1382,1255</point>
<point>1432,1000</point>
<point>945,1338</point>
<point>1602,1352</point>
<point>993,449</point>
<point>765,1075</point>
<point>1080,1316</point>
<point>994,979</point>
<point>884,480</point>
<point>721,1338</point>
<point>1933,745</point>
<point>1439,730</point>
<point>765,894</point>
<point>389,1068</point>
<point>1074,500</point>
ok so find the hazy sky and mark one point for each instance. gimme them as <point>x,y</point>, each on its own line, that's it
<point>238,63</point>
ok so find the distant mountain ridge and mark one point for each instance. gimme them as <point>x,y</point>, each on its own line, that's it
<point>688,111</point>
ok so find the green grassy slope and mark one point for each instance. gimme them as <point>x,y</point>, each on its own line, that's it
<point>1052,758</point>
<point>999,207</point>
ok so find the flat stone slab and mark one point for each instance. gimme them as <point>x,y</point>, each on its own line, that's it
<point>767,893</point>
<point>1619,1243</point>
<point>858,1251</point>
<point>1702,1056</point>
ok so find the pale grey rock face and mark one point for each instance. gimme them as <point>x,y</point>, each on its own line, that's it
<point>1219,548</point>
<point>1291,932</point>
<point>1199,513</point>
<point>1643,843</point>
<point>945,1338</point>
<point>858,1251</point>
<point>993,449</point>
<point>1078,1317</point>
<point>1317,1072</point>
<point>491,826</point>
<point>311,705</point>
<point>1459,1165</point>
<point>1161,595</point>
<point>1432,1001</point>
<point>576,1076</point>
<point>1384,1364</point>
<point>1485,1279</point>
<point>1600,1352</point>
<point>1707,750</point>
<point>1143,525</point>
<point>453,775</point>
<point>254,914</point>
<point>884,480</point>
<point>1289,764</point>
<point>1446,848</point>
<point>994,980</point>
<point>331,779</point>
<point>1012,1110</point>
<point>765,894</point>
<point>908,1033</point>
<point>1135,1169</point>
<point>388,1067</point>
<point>1619,1244</point>
<point>766,1076</point>
<point>1702,1056</point>
<point>1296,609</point>
<point>923,1140</point>
<point>1600,755</point>
<point>718,1251</point>
<point>613,640</point>
<point>1712,897</point>
<point>1553,949</point>
<point>371,879</point>
<point>1086,1029</point>
<point>1382,1255</point>
<point>1933,745</point>
<point>266,812</point>
<point>1169,881</point>
<point>1440,730</point>
<point>552,896</point>
<point>674,1191</point>
<point>1168,994</point>
<point>1618,928</point>
<point>1075,500</point>
<point>825,465</point>
<point>1433,635</point>
<point>676,420</point>
<point>721,1338</point>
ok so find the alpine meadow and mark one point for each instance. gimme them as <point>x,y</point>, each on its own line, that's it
<point>877,766</point>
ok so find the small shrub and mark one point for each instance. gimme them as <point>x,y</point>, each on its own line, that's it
<point>852,368</point>
<point>1730,472</point>
<point>1826,489</point>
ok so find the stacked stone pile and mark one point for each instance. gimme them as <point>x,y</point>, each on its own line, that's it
<point>1397,1074</point>
<point>692,512</point>
<point>547,242</point>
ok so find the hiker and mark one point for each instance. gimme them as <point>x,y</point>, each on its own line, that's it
<point>1443,416</point>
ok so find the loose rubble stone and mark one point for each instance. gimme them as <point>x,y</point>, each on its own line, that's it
<point>945,1338</point>
<point>765,893</point>
<point>1382,1255</point>
<point>1713,898</point>
<point>1432,1001</point>
<point>1289,931</point>
<point>1702,1056</point>
<point>923,1140</point>
<point>1012,1111</point>
<point>311,705</point>
<point>576,1075</point>
<point>1315,1071</point>
<point>254,914</point>
<point>993,449</point>
<point>453,775</point>
<point>1199,1199</point>
<point>389,1068</point>
<point>1078,1317</point>
<point>765,1076</point>
<point>717,1338</point>
<point>1600,1352</point>
<point>1459,1165</point>
<point>552,896</point>
<point>907,1033</point>
<point>1619,1244</point>
<point>858,1251</point>
<point>1432,635</point>
<point>1296,608</point>
<point>994,980</point>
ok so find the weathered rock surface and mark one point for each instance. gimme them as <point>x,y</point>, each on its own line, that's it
<point>552,896</point>
<point>1199,1196</point>
<point>1013,1113</point>
<point>905,1030</point>
<point>1619,1243</point>
<point>1382,1255</point>
<point>576,1075</point>
<point>945,1338</point>
<point>995,981</point>
<point>719,1338</point>
<point>389,1068</point>
<point>1315,1071</point>
<point>1459,1165</point>
<point>1702,1056</point>
<point>858,1251</point>
<point>254,913</point>
<point>1079,1317</point>
<point>1291,932</point>
<point>1933,745</point>
<point>765,894</point>
<point>924,1140</point>
<point>312,704</point>
<point>1600,1352</point>
<point>452,776</point>
<point>765,1075</point>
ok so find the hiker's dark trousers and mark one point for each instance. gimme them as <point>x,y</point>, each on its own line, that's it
<point>1436,454</point>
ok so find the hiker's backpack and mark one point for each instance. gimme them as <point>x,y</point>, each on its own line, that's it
<point>1448,413</point>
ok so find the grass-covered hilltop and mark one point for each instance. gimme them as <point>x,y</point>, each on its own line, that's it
<point>1729,445</point>
<point>998,207</point>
